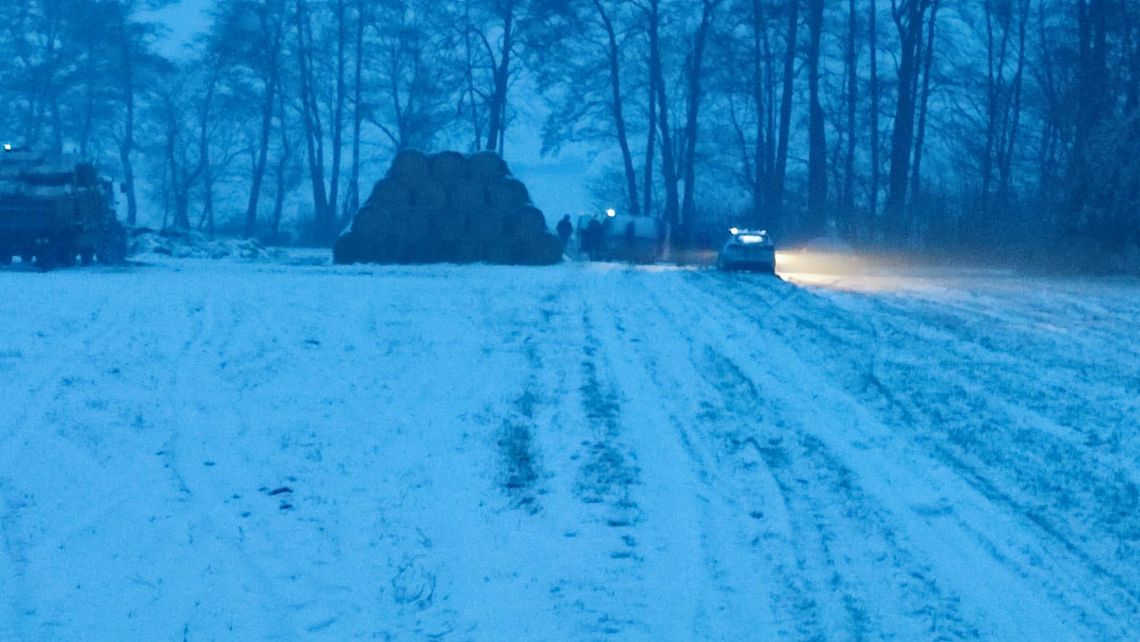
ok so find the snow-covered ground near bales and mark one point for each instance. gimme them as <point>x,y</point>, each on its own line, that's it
<point>146,244</point>
<point>206,450</point>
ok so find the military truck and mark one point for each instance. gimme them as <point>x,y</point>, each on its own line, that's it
<point>53,213</point>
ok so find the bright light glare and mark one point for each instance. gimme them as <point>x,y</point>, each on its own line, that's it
<point>611,212</point>
<point>7,147</point>
<point>734,230</point>
<point>751,238</point>
<point>804,263</point>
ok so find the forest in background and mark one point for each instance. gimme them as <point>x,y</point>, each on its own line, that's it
<point>993,126</point>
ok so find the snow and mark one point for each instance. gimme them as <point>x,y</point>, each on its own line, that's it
<point>150,245</point>
<point>196,449</point>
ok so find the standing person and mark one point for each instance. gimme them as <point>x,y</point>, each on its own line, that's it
<point>593,239</point>
<point>565,229</point>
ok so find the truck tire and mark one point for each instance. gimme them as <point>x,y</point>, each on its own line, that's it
<point>113,251</point>
<point>64,255</point>
<point>45,257</point>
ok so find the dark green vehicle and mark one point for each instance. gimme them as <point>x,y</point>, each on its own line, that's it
<point>54,214</point>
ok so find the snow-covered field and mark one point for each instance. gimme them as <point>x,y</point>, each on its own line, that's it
<point>242,451</point>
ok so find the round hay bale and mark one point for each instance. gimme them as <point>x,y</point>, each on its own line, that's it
<point>371,221</point>
<point>390,195</point>
<point>500,251</point>
<point>484,228</point>
<point>448,167</point>
<point>486,224</point>
<point>429,196</point>
<point>544,249</point>
<point>448,207</point>
<point>468,250</point>
<point>486,167</point>
<point>409,231</point>
<point>382,249</point>
<point>527,222</point>
<point>449,227</point>
<point>348,249</point>
<point>409,167</point>
<point>508,194</point>
<point>467,195</point>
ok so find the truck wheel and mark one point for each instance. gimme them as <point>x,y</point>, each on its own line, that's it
<point>65,255</point>
<point>113,251</point>
<point>45,258</point>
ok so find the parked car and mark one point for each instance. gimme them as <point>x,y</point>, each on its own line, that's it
<point>748,250</point>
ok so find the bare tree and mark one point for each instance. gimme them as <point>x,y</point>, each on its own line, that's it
<point>250,37</point>
<point>817,136</point>
<point>780,170</point>
<point>909,19</point>
<point>692,116</point>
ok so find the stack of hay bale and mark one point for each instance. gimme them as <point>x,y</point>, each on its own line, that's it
<point>448,208</point>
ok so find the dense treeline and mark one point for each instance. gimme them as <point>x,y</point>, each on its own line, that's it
<point>900,123</point>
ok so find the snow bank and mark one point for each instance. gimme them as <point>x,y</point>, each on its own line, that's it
<point>184,244</point>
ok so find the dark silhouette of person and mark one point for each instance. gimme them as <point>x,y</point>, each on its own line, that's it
<point>565,229</point>
<point>593,238</point>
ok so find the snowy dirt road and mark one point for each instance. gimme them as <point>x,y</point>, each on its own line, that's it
<point>197,450</point>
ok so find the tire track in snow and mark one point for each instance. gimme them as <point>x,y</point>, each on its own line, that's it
<point>826,327</point>
<point>638,512</point>
<point>730,487</point>
<point>832,587</point>
<point>607,477</point>
<point>33,418</point>
<point>975,443</point>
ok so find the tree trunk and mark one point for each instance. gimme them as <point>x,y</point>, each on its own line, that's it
<point>353,203</point>
<point>781,169</point>
<point>501,74</point>
<point>314,143</point>
<point>668,163</point>
<point>612,52</point>
<point>267,106</point>
<point>692,129</point>
<point>650,146</point>
<point>876,157</point>
<point>817,141</point>
<point>848,207</point>
<point>651,130</point>
<point>1091,103</point>
<point>127,144</point>
<point>759,104</point>
<point>284,157</point>
<point>902,138</point>
<point>338,122</point>
<point>1005,165</point>
<point>920,136</point>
